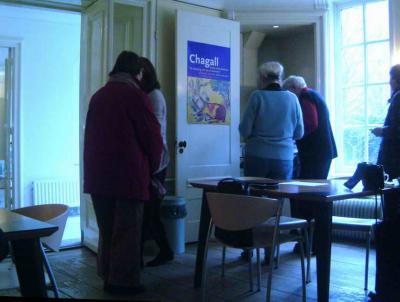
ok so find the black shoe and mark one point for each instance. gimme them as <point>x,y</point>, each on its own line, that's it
<point>265,261</point>
<point>117,289</point>
<point>161,259</point>
<point>246,255</point>
<point>296,250</point>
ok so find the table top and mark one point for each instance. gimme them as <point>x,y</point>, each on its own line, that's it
<point>310,190</point>
<point>16,226</point>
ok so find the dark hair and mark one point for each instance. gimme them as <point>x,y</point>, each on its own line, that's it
<point>149,81</point>
<point>395,72</point>
<point>128,62</point>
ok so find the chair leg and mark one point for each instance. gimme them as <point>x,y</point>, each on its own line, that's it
<point>308,254</point>
<point>49,272</point>
<point>251,273</point>
<point>303,274</point>
<point>311,235</point>
<point>277,256</point>
<point>258,270</point>
<point>223,261</point>
<point>367,259</point>
<point>270,269</point>
<point>204,275</point>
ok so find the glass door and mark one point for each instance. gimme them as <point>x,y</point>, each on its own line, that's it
<point>6,129</point>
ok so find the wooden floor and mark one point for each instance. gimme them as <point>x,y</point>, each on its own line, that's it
<point>75,271</point>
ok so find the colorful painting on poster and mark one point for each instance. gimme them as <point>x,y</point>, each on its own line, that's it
<point>208,73</point>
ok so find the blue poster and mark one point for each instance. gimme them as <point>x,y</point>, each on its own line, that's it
<point>208,72</point>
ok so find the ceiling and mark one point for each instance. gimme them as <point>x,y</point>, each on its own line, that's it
<point>231,6</point>
<point>227,5</point>
<point>282,31</point>
<point>73,5</point>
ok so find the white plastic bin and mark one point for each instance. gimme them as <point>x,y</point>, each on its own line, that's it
<point>173,213</point>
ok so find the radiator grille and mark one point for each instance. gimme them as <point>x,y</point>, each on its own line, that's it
<point>360,208</point>
<point>56,191</point>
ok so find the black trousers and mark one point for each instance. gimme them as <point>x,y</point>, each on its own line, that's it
<point>153,228</point>
<point>308,168</point>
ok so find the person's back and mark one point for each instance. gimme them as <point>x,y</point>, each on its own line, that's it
<point>320,143</point>
<point>113,143</point>
<point>271,122</point>
<point>122,148</point>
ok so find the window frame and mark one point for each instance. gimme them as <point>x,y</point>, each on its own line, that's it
<point>339,167</point>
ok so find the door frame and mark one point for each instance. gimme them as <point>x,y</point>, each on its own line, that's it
<point>15,44</point>
<point>88,234</point>
<point>317,18</point>
<point>148,39</point>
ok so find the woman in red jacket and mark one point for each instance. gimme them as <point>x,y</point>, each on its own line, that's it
<point>122,149</point>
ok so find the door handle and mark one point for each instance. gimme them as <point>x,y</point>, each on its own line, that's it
<point>181,146</point>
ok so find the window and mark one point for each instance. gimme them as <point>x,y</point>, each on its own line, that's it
<point>362,57</point>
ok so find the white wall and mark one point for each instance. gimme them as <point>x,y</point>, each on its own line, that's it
<point>49,92</point>
<point>295,51</point>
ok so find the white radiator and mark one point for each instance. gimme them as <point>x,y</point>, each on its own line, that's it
<point>56,191</point>
<point>360,208</point>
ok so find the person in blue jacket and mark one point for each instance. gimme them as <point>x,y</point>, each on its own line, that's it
<point>270,124</point>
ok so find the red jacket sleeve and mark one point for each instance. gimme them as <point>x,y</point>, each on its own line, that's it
<point>310,116</point>
<point>148,132</point>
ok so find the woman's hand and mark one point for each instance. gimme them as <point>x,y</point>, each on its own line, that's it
<point>378,131</point>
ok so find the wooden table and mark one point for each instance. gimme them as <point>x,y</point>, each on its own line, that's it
<point>320,197</point>
<point>24,234</point>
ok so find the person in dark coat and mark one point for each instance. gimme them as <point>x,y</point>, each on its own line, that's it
<point>317,147</point>
<point>122,149</point>
<point>389,151</point>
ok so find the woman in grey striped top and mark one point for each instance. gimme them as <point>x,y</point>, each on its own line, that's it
<point>153,228</point>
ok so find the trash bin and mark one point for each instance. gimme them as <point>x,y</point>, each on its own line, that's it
<point>173,213</point>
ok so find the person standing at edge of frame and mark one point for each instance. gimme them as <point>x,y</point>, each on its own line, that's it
<point>389,151</point>
<point>152,224</point>
<point>122,149</point>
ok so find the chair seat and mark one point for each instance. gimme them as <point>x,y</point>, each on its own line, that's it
<point>352,223</point>
<point>263,232</point>
<point>288,223</point>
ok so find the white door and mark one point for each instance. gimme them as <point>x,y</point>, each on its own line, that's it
<point>207,106</point>
<point>94,68</point>
<point>8,88</point>
<point>108,27</point>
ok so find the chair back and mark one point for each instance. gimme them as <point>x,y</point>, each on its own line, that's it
<point>55,214</point>
<point>240,212</point>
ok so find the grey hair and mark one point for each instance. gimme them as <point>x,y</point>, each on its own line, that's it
<point>271,70</point>
<point>294,82</point>
<point>395,72</point>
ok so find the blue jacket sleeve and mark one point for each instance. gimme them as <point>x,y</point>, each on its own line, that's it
<point>246,125</point>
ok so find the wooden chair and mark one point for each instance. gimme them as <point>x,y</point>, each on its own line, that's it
<point>55,214</point>
<point>232,186</point>
<point>357,224</point>
<point>260,216</point>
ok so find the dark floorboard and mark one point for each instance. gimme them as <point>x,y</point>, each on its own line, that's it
<point>75,271</point>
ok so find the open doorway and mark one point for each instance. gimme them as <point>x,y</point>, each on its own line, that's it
<point>43,140</point>
<point>291,45</point>
<point>5,146</point>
